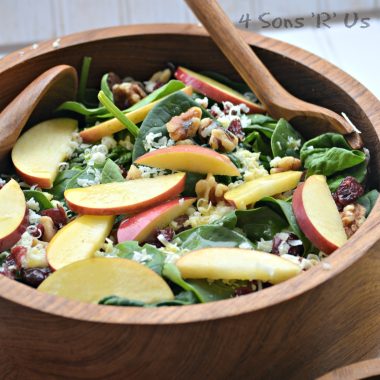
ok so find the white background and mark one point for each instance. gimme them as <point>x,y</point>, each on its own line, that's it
<point>355,50</point>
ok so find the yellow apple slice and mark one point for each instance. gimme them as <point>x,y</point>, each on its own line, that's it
<point>109,127</point>
<point>192,158</point>
<point>250,192</point>
<point>140,227</point>
<point>317,214</point>
<point>236,264</point>
<point>125,197</point>
<point>38,152</point>
<point>78,240</point>
<point>13,214</point>
<point>93,279</point>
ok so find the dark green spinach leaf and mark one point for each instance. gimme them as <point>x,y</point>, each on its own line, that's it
<point>285,141</point>
<point>368,200</point>
<point>111,173</point>
<point>39,197</point>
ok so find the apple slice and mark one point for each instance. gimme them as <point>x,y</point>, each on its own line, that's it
<point>252,191</point>
<point>78,240</point>
<point>109,127</point>
<point>140,227</point>
<point>236,264</point>
<point>93,279</point>
<point>125,197</point>
<point>13,215</point>
<point>214,90</point>
<point>317,214</point>
<point>192,158</point>
<point>38,152</point>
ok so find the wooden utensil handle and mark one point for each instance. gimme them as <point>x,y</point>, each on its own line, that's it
<point>237,51</point>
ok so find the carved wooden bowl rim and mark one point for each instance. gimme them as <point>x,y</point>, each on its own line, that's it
<point>341,259</point>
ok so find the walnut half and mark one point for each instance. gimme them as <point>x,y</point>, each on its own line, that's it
<point>209,190</point>
<point>127,94</point>
<point>186,125</point>
<point>223,140</point>
<point>284,164</point>
<point>353,216</point>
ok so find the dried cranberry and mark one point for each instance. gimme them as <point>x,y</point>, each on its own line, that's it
<point>9,268</point>
<point>34,276</point>
<point>292,241</point>
<point>348,192</point>
<point>236,128</point>
<point>19,253</point>
<point>157,85</point>
<point>58,215</point>
<point>124,171</point>
<point>36,231</point>
<point>167,233</point>
<point>242,291</point>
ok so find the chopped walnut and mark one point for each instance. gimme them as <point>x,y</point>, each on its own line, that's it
<point>127,94</point>
<point>353,216</point>
<point>185,142</point>
<point>49,228</point>
<point>112,79</point>
<point>284,164</point>
<point>186,125</point>
<point>206,127</point>
<point>224,140</point>
<point>133,173</point>
<point>209,190</point>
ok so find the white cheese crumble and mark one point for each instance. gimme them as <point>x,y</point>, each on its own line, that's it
<point>181,201</point>
<point>62,166</point>
<point>274,163</point>
<point>57,43</point>
<point>109,142</point>
<point>251,168</point>
<point>35,256</point>
<point>293,143</point>
<point>2,182</point>
<point>150,144</point>
<point>148,172</point>
<point>35,46</point>
<point>33,217</point>
<point>245,245</point>
<point>202,102</point>
<point>86,182</point>
<point>206,214</point>
<point>326,266</point>
<point>142,257</point>
<point>32,204</point>
<point>265,245</point>
<point>126,143</point>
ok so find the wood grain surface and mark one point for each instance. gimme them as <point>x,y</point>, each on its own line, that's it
<point>323,319</point>
<point>366,369</point>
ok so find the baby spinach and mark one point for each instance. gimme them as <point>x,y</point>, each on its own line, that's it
<point>39,197</point>
<point>359,172</point>
<point>105,88</point>
<point>210,236</point>
<point>285,141</point>
<point>212,290</point>
<point>111,173</point>
<point>61,182</point>
<point>190,182</point>
<point>263,120</point>
<point>328,154</point>
<point>259,142</point>
<point>83,79</point>
<point>120,155</point>
<point>368,200</point>
<point>3,257</point>
<point>155,258</point>
<point>260,222</point>
<point>229,220</point>
<point>156,119</point>
<point>81,109</point>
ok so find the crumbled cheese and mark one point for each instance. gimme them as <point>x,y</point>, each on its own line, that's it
<point>96,155</point>
<point>293,143</point>
<point>32,204</point>
<point>142,257</point>
<point>149,172</point>
<point>150,85</point>
<point>283,248</point>
<point>35,46</point>
<point>274,163</point>
<point>32,229</point>
<point>251,168</point>
<point>57,43</point>
<point>2,182</point>
<point>126,143</point>
<point>245,121</point>
<point>202,102</point>
<point>265,245</point>
<point>326,266</point>
<point>303,263</point>
<point>351,123</point>
<point>206,214</point>
<point>215,110</point>
<point>74,144</point>
<point>171,257</point>
<point>36,256</point>
<point>245,245</point>
<point>33,217</point>
<point>225,121</point>
<point>86,182</point>
<point>109,142</point>
<point>163,142</point>
<point>62,166</point>
<point>310,147</point>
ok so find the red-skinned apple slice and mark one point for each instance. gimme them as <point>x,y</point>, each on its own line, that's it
<point>13,214</point>
<point>125,197</point>
<point>214,90</point>
<point>78,240</point>
<point>317,214</point>
<point>140,227</point>
<point>220,263</point>
<point>38,152</point>
<point>191,158</point>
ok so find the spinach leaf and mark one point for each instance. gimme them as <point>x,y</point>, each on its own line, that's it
<point>358,171</point>
<point>260,143</point>
<point>89,173</point>
<point>111,173</point>
<point>172,273</point>
<point>152,257</point>
<point>120,155</point>
<point>190,182</point>
<point>156,119</point>
<point>183,298</point>
<point>328,154</point>
<point>229,220</point>
<point>285,141</point>
<point>3,256</point>
<point>285,208</point>
<point>39,197</point>
<point>368,200</point>
<point>210,236</point>
<point>212,291</point>
<point>61,182</point>
<point>83,79</point>
<point>261,222</point>
<point>266,129</point>
<point>81,109</point>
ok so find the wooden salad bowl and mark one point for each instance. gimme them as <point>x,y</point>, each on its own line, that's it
<point>323,319</point>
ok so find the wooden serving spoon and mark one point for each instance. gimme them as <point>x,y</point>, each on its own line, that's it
<point>308,118</point>
<point>35,102</point>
